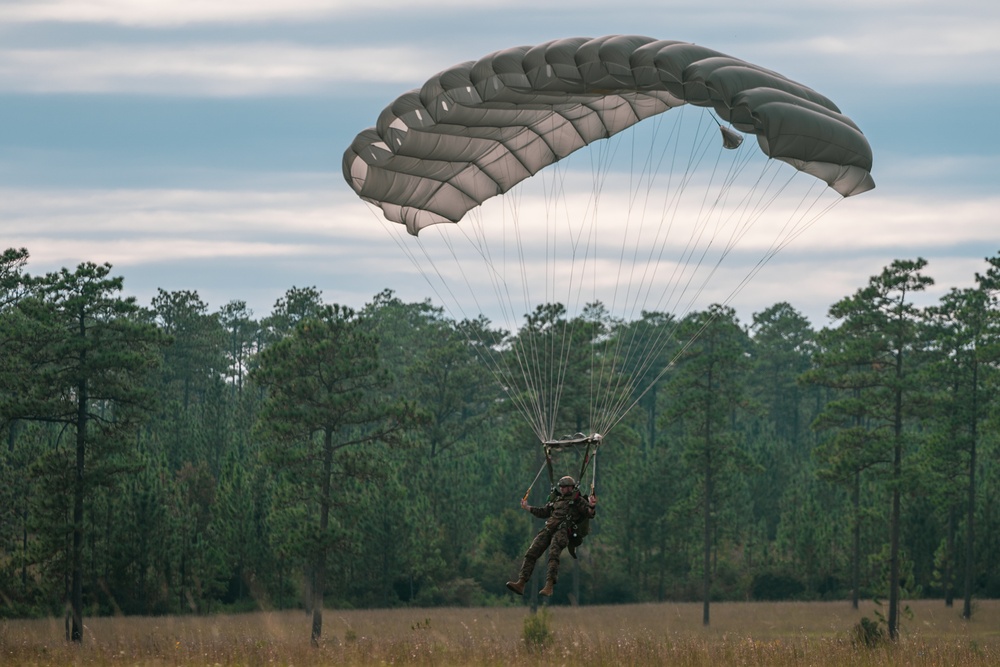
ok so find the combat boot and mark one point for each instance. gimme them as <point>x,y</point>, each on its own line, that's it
<point>517,586</point>
<point>547,591</point>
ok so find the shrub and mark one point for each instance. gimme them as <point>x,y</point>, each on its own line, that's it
<point>537,633</point>
<point>867,633</point>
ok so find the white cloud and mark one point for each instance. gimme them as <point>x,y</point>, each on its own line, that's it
<point>883,42</point>
<point>179,12</point>
<point>328,238</point>
<point>207,69</point>
<point>202,214</point>
<point>167,12</point>
<point>963,53</point>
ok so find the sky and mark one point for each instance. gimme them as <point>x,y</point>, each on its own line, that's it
<point>197,144</point>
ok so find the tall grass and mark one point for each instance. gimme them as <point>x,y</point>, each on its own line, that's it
<point>817,633</point>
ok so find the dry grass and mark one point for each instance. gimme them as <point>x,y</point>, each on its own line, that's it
<point>815,633</point>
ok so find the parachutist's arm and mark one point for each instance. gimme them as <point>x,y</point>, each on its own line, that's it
<point>543,512</point>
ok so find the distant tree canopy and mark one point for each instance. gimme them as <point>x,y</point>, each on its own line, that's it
<point>176,459</point>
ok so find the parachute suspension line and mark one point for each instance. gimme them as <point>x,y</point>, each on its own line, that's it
<point>560,365</point>
<point>530,358</point>
<point>546,463</point>
<point>487,347</point>
<point>619,385</point>
<point>539,367</point>
<point>599,179</point>
<point>617,397</point>
<point>552,362</point>
<point>662,230</point>
<point>806,220</point>
<point>797,224</point>
<point>620,391</point>
<point>602,379</point>
<point>609,380</point>
<point>602,371</point>
<point>624,407</point>
<point>496,360</point>
<point>545,338</point>
<point>537,364</point>
<point>606,154</point>
<point>593,471</point>
<point>531,380</point>
<point>652,348</point>
<point>802,217</point>
<point>498,363</point>
<point>559,338</point>
<point>676,282</point>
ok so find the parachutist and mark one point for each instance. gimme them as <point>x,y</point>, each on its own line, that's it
<point>566,522</point>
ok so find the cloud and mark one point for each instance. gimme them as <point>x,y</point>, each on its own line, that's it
<point>181,12</point>
<point>902,43</point>
<point>207,69</point>
<point>934,51</point>
<point>169,12</point>
<point>255,244</point>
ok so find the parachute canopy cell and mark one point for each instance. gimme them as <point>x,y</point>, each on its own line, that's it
<point>477,129</point>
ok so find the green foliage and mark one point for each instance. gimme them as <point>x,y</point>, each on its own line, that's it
<point>537,632</point>
<point>78,355</point>
<point>868,633</point>
<point>205,460</point>
<point>776,586</point>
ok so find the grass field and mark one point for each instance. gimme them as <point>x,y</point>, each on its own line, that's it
<point>793,633</point>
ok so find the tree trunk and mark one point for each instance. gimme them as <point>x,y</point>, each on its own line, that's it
<point>970,525</point>
<point>897,479</point>
<point>949,565</point>
<point>707,561</point>
<point>856,550</point>
<point>575,600</point>
<point>894,561</point>
<point>707,556</point>
<point>319,588</point>
<point>894,519</point>
<point>76,595</point>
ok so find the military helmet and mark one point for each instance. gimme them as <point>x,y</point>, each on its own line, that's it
<point>567,481</point>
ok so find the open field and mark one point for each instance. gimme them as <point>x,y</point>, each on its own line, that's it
<point>791,633</point>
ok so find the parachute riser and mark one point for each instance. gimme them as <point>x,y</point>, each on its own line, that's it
<point>591,442</point>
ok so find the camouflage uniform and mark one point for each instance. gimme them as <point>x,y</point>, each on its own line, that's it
<point>560,515</point>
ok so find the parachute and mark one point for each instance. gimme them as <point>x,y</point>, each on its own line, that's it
<point>476,130</point>
<point>566,269</point>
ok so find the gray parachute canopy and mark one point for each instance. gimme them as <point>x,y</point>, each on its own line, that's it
<point>477,129</point>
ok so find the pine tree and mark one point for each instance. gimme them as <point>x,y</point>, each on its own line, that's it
<point>87,353</point>
<point>324,383</point>
<point>706,391</point>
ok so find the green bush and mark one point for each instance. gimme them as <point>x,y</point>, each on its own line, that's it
<point>867,633</point>
<point>537,633</point>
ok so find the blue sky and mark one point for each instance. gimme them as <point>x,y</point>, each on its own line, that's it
<point>196,144</point>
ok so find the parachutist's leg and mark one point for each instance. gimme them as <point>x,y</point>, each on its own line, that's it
<point>559,541</point>
<point>535,551</point>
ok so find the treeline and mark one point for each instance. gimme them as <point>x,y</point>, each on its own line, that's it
<point>168,458</point>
